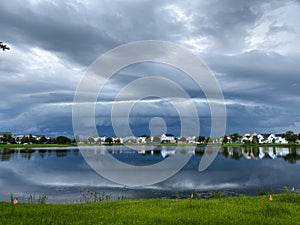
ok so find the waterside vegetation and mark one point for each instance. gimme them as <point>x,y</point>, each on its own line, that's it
<point>273,209</point>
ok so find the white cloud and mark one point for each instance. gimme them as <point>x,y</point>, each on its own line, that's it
<point>278,30</point>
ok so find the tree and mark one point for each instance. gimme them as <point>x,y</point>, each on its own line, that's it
<point>225,139</point>
<point>32,139</point>
<point>255,139</point>
<point>24,140</point>
<point>183,139</point>
<point>201,139</point>
<point>234,137</point>
<point>109,140</point>
<point>148,139</point>
<point>117,141</point>
<point>91,140</point>
<point>77,139</point>
<point>207,140</point>
<point>290,136</point>
<point>43,140</point>
<point>8,138</point>
<point>4,46</point>
<point>11,139</point>
<point>63,140</point>
<point>156,139</point>
<point>51,141</point>
<point>246,141</point>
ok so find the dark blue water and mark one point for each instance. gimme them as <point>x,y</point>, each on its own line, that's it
<point>63,175</point>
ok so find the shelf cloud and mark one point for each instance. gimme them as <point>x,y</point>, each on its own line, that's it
<point>252,47</point>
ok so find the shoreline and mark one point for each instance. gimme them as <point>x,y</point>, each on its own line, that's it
<point>8,146</point>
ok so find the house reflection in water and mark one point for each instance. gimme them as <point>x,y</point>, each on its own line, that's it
<point>290,155</point>
<point>256,153</point>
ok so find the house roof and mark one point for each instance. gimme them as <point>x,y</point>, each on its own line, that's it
<point>265,135</point>
<point>144,135</point>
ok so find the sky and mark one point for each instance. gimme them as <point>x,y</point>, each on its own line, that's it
<point>252,48</point>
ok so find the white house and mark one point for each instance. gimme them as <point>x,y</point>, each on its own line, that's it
<point>118,140</point>
<point>129,139</point>
<point>191,140</point>
<point>247,137</point>
<point>271,138</point>
<point>262,138</point>
<point>279,139</point>
<point>142,140</point>
<point>167,138</point>
<point>101,139</point>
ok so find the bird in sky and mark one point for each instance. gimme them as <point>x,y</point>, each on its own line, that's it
<point>4,46</point>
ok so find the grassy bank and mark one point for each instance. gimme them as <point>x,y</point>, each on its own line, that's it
<point>284,209</point>
<point>261,145</point>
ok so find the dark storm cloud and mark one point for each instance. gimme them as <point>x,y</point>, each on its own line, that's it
<point>83,32</point>
<point>55,27</point>
<point>262,90</point>
<point>252,46</point>
<point>268,74</point>
<point>227,23</point>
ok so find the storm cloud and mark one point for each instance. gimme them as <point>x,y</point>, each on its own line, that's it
<point>252,47</point>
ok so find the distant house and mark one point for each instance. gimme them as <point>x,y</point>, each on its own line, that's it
<point>262,138</point>
<point>247,137</point>
<point>272,138</point>
<point>93,139</point>
<point>143,139</point>
<point>117,140</point>
<point>101,139</point>
<point>167,138</point>
<point>191,140</point>
<point>19,138</point>
<point>280,139</point>
<point>277,138</point>
<point>218,140</point>
<point>129,139</point>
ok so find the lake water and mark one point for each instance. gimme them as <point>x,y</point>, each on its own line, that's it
<point>63,175</point>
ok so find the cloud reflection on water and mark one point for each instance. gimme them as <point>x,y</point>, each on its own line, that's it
<point>64,172</point>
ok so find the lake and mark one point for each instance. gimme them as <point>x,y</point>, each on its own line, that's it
<point>64,176</point>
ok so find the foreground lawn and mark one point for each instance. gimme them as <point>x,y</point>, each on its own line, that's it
<point>284,209</point>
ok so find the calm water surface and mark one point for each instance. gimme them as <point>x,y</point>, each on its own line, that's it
<point>64,176</point>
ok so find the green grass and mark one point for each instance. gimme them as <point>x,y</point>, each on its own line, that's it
<point>284,209</point>
<point>261,145</point>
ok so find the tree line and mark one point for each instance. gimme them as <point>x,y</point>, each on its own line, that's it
<point>290,136</point>
<point>30,139</point>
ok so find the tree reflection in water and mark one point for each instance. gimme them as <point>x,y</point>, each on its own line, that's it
<point>290,155</point>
